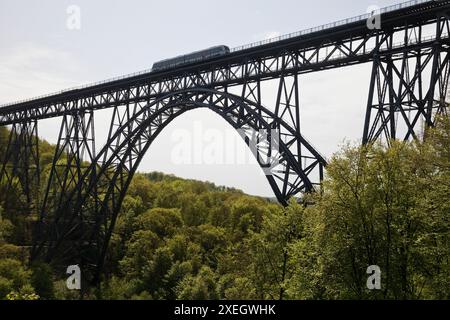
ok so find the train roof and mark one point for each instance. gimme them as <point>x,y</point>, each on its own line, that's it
<point>194,52</point>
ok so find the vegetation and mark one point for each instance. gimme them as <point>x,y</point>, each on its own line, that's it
<point>184,239</point>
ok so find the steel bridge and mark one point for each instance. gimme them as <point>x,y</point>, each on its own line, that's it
<point>77,210</point>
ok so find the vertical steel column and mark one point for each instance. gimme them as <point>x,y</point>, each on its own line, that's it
<point>20,168</point>
<point>74,152</point>
<point>400,111</point>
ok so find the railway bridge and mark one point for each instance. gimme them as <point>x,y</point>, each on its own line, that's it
<point>77,210</point>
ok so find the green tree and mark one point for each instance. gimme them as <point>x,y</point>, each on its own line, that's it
<point>212,242</point>
<point>42,280</point>
<point>433,249</point>
<point>380,208</point>
<point>163,222</point>
<point>247,215</point>
<point>200,287</point>
<point>14,279</point>
<point>234,287</point>
<point>139,251</point>
<point>6,227</point>
<point>193,209</point>
<point>272,266</point>
<point>155,275</point>
<point>141,187</point>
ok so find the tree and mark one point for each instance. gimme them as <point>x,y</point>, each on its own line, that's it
<point>434,247</point>
<point>272,267</point>
<point>139,251</point>
<point>212,242</point>
<point>141,187</point>
<point>6,227</point>
<point>42,280</point>
<point>381,206</point>
<point>200,287</point>
<point>232,287</point>
<point>163,222</point>
<point>155,274</point>
<point>193,210</point>
<point>247,215</point>
<point>14,279</point>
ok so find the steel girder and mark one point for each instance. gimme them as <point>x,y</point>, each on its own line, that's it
<point>291,164</point>
<point>323,57</point>
<point>322,52</point>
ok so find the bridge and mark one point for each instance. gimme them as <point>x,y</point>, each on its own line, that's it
<point>77,211</point>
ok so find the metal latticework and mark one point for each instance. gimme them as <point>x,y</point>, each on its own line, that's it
<point>20,169</point>
<point>402,99</point>
<point>256,90</point>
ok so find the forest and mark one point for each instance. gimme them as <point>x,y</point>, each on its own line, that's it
<point>182,239</point>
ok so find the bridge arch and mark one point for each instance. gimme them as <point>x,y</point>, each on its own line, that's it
<point>270,138</point>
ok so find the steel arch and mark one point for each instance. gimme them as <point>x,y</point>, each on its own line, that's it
<point>126,148</point>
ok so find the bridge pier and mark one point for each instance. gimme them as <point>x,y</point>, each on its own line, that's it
<point>74,152</point>
<point>20,167</point>
<point>402,102</point>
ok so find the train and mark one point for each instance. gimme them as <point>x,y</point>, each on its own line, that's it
<point>197,56</point>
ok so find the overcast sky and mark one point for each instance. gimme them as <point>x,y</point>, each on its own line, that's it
<point>40,54</point>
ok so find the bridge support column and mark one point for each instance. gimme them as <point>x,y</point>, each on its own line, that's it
<point>20,169</point>
<point>287,107</point>
<point>74,153</point>
<point>403,101</point>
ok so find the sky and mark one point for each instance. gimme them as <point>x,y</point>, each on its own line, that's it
<point>50,45</point>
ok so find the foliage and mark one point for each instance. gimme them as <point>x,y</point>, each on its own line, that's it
<point>14,280</point>
<point>21,296</point>
<point>385,206</point>
<point>6,227</point>
<point>42,280</point>
<point>185,239</point>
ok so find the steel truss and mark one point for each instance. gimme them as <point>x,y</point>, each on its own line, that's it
<point>327,50</point>
<point>294,165</point>
<point>74,153</point>
<point>20,168</point>
<point>402,100</point>
<point>85,189</point>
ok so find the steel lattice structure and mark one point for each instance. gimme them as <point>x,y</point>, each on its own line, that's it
<point>78,208</point>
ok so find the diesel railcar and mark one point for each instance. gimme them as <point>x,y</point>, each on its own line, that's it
<point>197,56</point>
